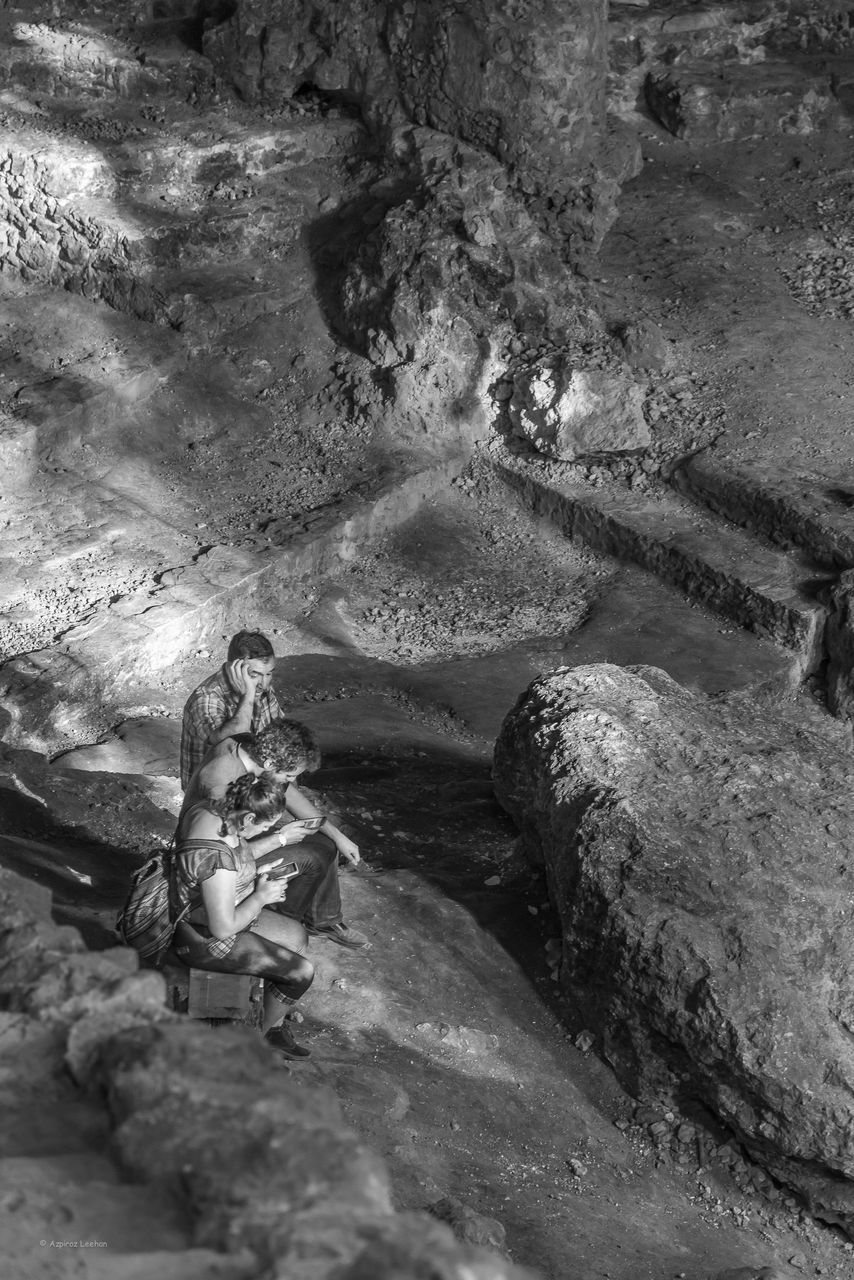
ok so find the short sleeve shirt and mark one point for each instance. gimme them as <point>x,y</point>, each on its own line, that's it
<point>207,710</point>
<point>197,860</point>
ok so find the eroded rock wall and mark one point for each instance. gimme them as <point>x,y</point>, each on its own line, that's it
<point>525,82</point>
<point>699,854</point>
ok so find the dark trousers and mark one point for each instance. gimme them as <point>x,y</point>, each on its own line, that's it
<point>313,896</point>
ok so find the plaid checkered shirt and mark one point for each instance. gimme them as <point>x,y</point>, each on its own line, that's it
<point>208,708</point>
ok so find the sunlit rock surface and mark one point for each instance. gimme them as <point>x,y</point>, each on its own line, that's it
<point>699,853</point>
<point>571,413</point>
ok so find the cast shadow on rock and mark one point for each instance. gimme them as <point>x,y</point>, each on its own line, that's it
<point>86,877</point>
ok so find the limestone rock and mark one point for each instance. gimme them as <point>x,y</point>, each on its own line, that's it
<point>229,1134</point>
<point>706,103</point>
<point>840,647</point>
<point>572,413</point>
<point>136,1001</point>
<point>526,83</point>
<point>739,41</point>
<point>755,1273</point>
<point>698,852</point>
<point>406,1249</point>
<point>453,268</point>
<point>645,345</point>
<point>469,1226</point>
<point>145,744</point>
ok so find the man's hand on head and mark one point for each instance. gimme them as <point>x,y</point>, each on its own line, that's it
<point>236,675</point>
<point>243,680</point>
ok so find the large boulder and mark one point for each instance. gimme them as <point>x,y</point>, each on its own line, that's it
<point>571,413</point>
<point>699,853</point>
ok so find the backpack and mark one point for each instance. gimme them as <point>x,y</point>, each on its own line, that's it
<point>144,922</point>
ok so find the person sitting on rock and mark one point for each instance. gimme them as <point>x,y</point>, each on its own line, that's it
<point>287,749</point>
<point>239,698</point>
<point>230,927</point>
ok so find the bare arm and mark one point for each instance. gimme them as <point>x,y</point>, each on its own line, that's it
<point>240,722</point>
<point>302,807</point>
<point>224,916</point>
<point>290,833</point>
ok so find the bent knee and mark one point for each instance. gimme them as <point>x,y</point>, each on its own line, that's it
<point>319,851</point>
<point>303,971</point>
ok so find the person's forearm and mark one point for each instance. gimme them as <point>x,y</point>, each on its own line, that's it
<point>240,722</point>
<point>265,844</point>
<point>329,829</point>
<point>223,923</point>
<point>246,911</point>
<point>299,805</point>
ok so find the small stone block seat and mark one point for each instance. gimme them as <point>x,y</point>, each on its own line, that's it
<point>214,997</point>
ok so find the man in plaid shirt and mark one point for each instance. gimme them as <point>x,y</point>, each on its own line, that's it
<point>238,698</point>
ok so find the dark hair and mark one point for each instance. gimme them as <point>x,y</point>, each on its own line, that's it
<point>289,745</point>
<point>260,795</point>
<point>249,644</point>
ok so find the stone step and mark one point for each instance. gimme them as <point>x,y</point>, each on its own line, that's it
<point>792,508</point>
<point>767,590</point>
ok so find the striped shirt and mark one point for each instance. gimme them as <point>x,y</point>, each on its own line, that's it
<point>208,708</point>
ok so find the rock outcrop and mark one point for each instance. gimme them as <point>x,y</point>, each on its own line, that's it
<point>451,279</point>
<point>839,646</point>
<point>721,104</point>
<point>265,1164</point>
<point>730,71</point>
<point>523,82</point>
<point>572,413</point>
<point>699,854</point>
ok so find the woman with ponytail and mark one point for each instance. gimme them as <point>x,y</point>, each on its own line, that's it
<point>229,928</point>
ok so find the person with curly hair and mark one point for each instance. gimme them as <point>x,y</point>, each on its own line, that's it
<point>287,749</point>
<point>231,926</point>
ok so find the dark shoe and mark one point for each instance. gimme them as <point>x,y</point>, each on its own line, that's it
<point>280,1039</point>
<point>340,933</point>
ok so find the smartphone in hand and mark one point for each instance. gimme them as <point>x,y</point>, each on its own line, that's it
<point>311,824</point>
<point>286,871</point>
